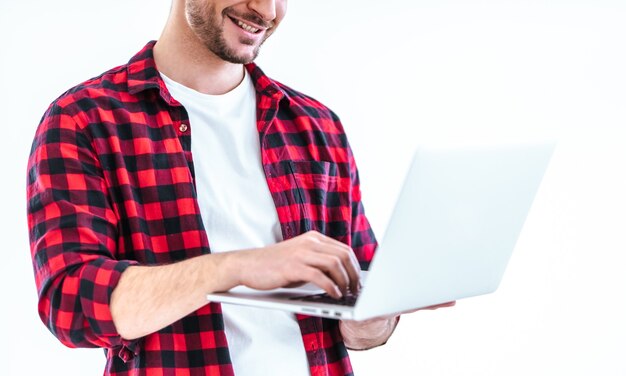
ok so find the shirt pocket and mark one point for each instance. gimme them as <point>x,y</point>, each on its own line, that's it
<point>321,196</point>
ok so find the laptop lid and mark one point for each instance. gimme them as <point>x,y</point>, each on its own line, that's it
<point>454,226</point>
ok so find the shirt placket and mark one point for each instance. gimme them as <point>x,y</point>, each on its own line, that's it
<point>182,125</point>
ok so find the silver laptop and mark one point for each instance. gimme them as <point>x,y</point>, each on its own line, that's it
<point>454,226</point>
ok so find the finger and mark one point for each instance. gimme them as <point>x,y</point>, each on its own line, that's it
<point>433,307</point>
<point>327,239</point>
<point>321,280</point>
<point>344,254</point>
<point>332,266</point>
<point>442,305</point>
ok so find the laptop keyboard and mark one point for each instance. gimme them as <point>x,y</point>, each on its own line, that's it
<point>347,300</point>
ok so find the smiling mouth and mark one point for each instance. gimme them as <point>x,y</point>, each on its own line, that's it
<point>245,26</point>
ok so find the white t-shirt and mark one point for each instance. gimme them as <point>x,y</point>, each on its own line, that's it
<point>238,213</point>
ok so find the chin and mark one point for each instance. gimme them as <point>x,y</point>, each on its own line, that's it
<point>242,57</point>
<point>233,49</point>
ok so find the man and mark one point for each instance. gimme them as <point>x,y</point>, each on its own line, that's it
<point>188,171</point>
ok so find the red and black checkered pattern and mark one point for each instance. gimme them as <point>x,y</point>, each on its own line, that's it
<point>111,184</point>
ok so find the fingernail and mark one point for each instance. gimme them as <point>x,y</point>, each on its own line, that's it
<point>338,292</point>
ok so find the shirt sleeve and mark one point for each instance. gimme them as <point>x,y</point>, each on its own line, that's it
<point>73,235</point>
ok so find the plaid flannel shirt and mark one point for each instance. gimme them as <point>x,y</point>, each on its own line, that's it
<point>111,184</point>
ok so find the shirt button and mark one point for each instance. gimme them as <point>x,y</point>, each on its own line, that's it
<point>183,128</point>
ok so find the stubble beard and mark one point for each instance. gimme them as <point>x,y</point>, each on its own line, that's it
<point>204,23</point>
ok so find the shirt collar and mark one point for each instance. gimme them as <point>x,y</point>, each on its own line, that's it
<point>263,84</point>
<point>143,75</point>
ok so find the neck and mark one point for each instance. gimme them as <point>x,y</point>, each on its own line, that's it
<point>181,56</point>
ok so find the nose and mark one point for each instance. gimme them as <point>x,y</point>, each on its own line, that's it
<point>266,9</point>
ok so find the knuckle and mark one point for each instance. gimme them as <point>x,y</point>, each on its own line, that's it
<point>311,238</point>
<point>349,251</point>
<point>314,274</point>
<point>332,263</point>
<point>316,235</point>
<point>345,255</point>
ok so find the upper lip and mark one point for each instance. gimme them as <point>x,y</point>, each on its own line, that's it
<point>249,23</point>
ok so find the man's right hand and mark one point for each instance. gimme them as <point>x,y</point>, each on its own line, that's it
<point>310,257</point>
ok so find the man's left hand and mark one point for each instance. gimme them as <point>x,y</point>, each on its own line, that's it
<point>367,334</point>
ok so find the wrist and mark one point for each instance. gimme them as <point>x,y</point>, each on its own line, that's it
<point>228,267</point>
<point>363,335</point>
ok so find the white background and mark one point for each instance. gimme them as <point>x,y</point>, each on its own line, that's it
<point>398,72</point>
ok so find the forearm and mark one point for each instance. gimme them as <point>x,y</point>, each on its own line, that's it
<point>148,298</point>
<point>364,335</point>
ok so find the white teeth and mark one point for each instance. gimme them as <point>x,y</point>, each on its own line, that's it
<point>247,27</point>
